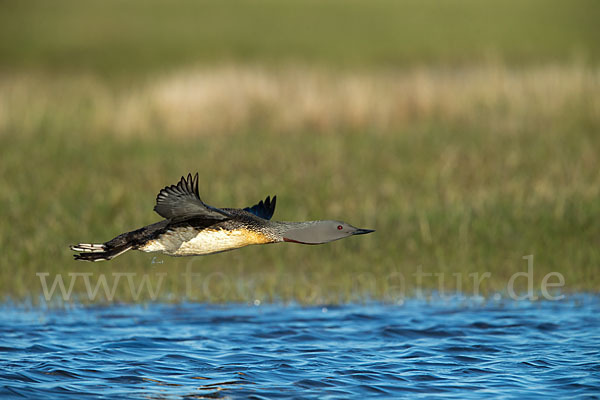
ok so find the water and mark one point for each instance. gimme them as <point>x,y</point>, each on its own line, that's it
<point>450,350</point>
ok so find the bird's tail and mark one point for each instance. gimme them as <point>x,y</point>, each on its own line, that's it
<point>120,244</point>
<point>98,252</point>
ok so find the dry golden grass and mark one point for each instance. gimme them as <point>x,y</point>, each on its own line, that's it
<point>229,99</point>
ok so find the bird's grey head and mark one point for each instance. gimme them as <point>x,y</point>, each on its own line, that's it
<point>317,232</point>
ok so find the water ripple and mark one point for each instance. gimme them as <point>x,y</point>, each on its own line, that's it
<point>420,349</point>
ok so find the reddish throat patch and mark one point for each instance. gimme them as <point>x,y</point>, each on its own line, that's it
<point>295,241</point>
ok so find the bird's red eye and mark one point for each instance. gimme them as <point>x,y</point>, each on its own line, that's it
<point>340,227</point>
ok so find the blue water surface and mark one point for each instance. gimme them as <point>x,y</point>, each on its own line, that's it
<point>548,349</point>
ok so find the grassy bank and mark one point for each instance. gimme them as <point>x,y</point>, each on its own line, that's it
<point>459,172</point>
<point>465,132</point>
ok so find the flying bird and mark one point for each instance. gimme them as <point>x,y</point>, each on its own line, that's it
<point>190,227</point>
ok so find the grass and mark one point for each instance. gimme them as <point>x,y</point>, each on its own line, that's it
<point>465,132</point>
<point>125,39</point>
<point>457,185</point>
<point>232,98</point>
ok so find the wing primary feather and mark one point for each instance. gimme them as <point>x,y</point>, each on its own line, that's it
<point>183,201</point>
<point>195,185</point>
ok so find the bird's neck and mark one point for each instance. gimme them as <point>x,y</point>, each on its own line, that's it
<point>297,232</point>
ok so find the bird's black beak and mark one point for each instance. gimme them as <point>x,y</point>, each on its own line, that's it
<point>362,231</point>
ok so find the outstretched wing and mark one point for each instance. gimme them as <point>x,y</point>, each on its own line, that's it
<point>183,201</point>
<point>264,209</point>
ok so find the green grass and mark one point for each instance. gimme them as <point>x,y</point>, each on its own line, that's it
<point>465,132</point>
<point>122,39</point>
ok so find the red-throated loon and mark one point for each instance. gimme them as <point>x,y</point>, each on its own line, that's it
<point>192,227</point>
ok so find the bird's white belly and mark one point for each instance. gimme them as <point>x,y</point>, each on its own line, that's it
<point>189,241</point>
